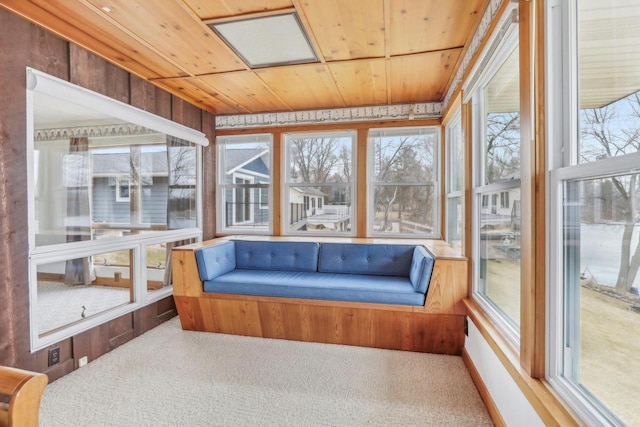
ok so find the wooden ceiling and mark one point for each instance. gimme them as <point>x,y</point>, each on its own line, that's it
<point>372,52</point>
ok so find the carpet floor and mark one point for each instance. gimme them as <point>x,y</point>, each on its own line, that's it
<point>171,377</point>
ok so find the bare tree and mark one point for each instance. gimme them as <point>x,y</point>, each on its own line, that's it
<point>605,138</point>
<point>314,159</point>
<point>503,146</point>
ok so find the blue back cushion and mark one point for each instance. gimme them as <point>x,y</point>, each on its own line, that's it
<point>378,259</point>
<point>421,269</point>
<point>264,255</point>
<point>215,260</point>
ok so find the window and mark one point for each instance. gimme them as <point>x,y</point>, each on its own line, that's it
<point>244,177</point>
<point>319,167</point>
<point>454,162</point>
<point>594,283</point>
<point>504,200</point>
<point>404,182</point>
<point>122,192</point>
<point>109,185</point>
<point>496,135</point>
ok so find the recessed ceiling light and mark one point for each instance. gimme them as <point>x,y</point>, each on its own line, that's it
<point>267,40</point>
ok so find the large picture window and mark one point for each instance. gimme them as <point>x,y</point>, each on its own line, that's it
<point>244,175</point>
<point>319,183</point>
<point>403,184</point>
<point>111,190</point>
<point>597,228</point>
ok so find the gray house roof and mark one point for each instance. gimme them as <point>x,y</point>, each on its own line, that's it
<point>153,163</point>
<point>249,159</point>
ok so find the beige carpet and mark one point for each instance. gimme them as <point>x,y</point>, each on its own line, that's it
<point>170,377</point>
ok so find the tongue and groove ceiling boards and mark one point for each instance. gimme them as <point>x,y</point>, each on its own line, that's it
<point>370,52</point>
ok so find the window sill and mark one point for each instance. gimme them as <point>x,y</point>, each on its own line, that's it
<point>549,406</point>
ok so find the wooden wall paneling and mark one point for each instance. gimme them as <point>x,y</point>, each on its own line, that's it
<point>145,319</point>
<point>26,45</point>
<point>201,94</point>
<point>207,9</point>
<point>92,343</point>
<point>121,330</point>
<point>186,114</point>
<point>421,77</point>
<point>94,73</point>
<point>149,97</point>
<point>209,180</point>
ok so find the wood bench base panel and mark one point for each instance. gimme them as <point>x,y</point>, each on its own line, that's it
<point>360,326</point>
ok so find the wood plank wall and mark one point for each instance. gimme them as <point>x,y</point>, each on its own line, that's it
<point>22,45</point>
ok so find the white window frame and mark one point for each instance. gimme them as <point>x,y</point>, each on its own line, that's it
<point>436,186</point>
<point>287,184</point>
<point>260,185</point>
<point>494,55</point>
<point>119,197</point>
<point>455,122</point>
<point>562,132</point>
<point>52,86</point>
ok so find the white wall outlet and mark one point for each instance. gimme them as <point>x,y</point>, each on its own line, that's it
<point>82,361</point>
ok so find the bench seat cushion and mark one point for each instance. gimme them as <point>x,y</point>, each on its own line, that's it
<point>314,285</point>
<point>378,260</point>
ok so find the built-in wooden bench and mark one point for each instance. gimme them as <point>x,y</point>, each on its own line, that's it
<point>436,327</point>
<point>21,392</point>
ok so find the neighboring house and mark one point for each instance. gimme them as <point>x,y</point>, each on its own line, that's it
<point>247,205</point>
<point>501,207</point>
<point>111,192</point>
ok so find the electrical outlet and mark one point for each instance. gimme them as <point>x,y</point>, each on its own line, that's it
<point>82,361</point>
<point>54,356</point>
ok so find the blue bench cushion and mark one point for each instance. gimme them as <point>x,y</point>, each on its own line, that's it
<point>215,260</point>
<point>379,260</point>
<point>313,285</point>
<point>266,255</point>
<point>421,269</point>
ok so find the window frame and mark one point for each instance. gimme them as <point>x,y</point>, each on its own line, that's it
<point>256,187</point>
<point>119,197</point>
<point>372,183</point>
<point>562,129</point>
<point>44,254</point>
<point>455,124</point>
<point>493,57</point>
<point>287,184</point>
